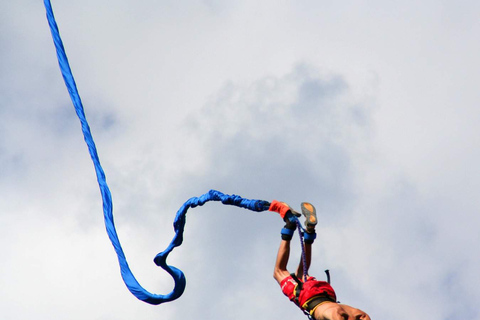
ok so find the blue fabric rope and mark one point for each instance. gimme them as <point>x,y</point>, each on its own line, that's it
<point>179,223</point>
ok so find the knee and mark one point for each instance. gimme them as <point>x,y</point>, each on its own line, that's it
<point>280,274</point>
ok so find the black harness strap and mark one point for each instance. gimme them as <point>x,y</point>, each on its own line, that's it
<point>313,302</point>
<point>298,289</point>
<point>328,275</point>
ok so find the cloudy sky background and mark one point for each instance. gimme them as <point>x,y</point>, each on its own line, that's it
<point>367,109</point>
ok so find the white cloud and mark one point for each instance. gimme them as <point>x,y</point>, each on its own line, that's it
<point>368,111</point>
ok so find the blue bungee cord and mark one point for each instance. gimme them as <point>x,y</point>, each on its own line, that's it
<point>160,259</point>
<point>180,219</point>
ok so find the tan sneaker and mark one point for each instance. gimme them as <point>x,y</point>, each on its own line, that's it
<point>310,214</point>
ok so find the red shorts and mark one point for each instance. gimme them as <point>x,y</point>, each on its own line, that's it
<point>311,288</point>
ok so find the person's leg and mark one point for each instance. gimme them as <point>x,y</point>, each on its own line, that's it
<point>287,213</point>
<point>280,272</point>
<point>308,210</point>
<point>308,259</point>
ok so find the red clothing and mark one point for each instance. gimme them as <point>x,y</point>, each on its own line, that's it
<point>311,288</point>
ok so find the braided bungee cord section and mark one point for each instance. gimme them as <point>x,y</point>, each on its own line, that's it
<point>179,226</point>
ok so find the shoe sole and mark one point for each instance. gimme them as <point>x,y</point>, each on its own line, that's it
<point>310,213</point>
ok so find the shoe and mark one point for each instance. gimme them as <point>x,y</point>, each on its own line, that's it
<point>310,214</point>
<point>282,208</point>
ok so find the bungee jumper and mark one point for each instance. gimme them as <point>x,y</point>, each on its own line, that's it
<point>315,298</point>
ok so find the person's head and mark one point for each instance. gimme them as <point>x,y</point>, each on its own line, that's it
<point>354,313</point>
<point>335,311</point>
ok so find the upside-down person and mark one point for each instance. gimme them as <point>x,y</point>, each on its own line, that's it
<point>316,298</point>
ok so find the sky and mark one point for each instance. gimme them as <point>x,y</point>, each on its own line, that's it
<point>366,109</point>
